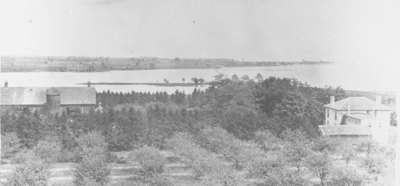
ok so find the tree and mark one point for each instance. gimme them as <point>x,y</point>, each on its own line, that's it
<point>33,173</point>
<point>92,167</point>
<point>245,78</point>
<point>324,144</point>
<point>259,77</point>
<point>49,150</point>
<point>151,160</point>
<point>296,148</point>
<point>348,153</point>
<point>10,144</point>
<point>240,120</point>
<point>235,77</point>
<point>267,141</point>
<point>320,164</point>
<point>222,142</point>
<point>346,176</point>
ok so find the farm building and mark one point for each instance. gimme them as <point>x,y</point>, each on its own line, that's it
<point>52,100</point>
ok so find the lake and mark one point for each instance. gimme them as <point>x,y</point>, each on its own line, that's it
<point>344,75</point>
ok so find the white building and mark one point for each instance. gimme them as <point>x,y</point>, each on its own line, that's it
<point>357,117</point>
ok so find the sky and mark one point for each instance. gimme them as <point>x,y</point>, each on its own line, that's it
<point>356,31</point>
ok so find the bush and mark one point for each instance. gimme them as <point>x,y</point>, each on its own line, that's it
<point>92,143</point>
<point>320,164</point>
<point>154,181</point>
<point>69,155</point>
<point>349,176</point>
<point>24,156</point>
<point>262,167</point>
<point>150,159</point>
<point>348,153</point>
<point>159,181</point>
<point>10,144</point>
<point>33,173</point>
<point>48,150</point>
<point>201,160</point>
<point>238,151</point>
<point>92,171</point>
<point>206,165</point>
<point>92,168</point>
<point>322,144</point>
<point>267,141</point>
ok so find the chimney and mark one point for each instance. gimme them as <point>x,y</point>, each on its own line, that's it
<point>6,84</point>
<point>332,100</point>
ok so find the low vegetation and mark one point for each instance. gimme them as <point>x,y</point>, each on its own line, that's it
<point>237,132</point>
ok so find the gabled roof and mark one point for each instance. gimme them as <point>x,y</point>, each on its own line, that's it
<point>357,103</point>
<point>15,96</point>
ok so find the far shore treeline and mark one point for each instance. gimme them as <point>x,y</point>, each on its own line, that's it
<point>99,64</point>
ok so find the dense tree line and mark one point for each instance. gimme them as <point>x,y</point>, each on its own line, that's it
<point>242,107</point>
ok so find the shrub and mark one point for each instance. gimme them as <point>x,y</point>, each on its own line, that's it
<point>92,171</point>
<point>267,141</point>
<point>150,159</point>
<point>238,151</point>
<point>24,156</point>
<point>349,176</point>
<point>206,165</point>
<point>48,150</point>
<point>92,168</point>
<point>10,144</point>
<point>201,160</point>
<point>154,181</point>
<point>348,153</point>
<point>320,164</point>
<point>92,143</point>
<point>69,155</point>
<point>374,165</point>
<point>322,144</point>
<point>296,148</point>
<point>33,173</point>
<point>159,181</point>
<point>262,167</point>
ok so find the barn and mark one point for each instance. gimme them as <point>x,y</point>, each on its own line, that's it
<point>48,99</point>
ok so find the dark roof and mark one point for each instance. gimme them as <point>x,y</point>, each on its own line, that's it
<point>357,103</point>
<point>37,95</point>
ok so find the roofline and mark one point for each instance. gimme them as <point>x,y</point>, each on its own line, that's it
<point>325,106</point>
<point>36,105</point>
<point>39,105</point>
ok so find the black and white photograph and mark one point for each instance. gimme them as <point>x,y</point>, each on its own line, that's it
<point>199,92</point>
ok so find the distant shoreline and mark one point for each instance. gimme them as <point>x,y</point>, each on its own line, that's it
<point>152,84</point>
<point>105,64</point>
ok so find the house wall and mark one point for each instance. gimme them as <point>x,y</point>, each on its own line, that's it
<point>380,118</point>
<point>333,117</point>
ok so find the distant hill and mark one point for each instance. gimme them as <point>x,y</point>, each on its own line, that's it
<point>97,64</point>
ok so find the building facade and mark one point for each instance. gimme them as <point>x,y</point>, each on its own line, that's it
<point>50,100</point>
<point>357,117</point>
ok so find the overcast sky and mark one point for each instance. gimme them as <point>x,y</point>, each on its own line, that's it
<point>338,30</point>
